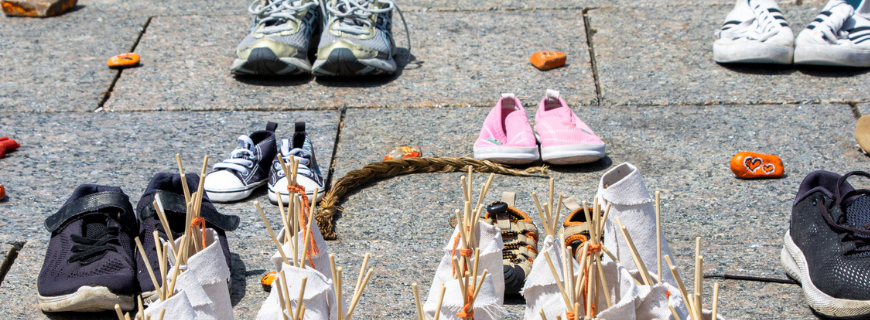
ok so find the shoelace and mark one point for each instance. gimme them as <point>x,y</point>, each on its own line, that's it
<point>304,158</point>
<point>241,158</point>
<point>830,25</point>
<point>859,236</point>
<point>763,27</point>
<point>353,15</point>
<point>87,247</point>
<point>279,11</point>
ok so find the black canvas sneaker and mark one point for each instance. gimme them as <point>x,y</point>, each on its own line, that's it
<point>247,168</point>
<point>827,246</point>
<point>89,264</point>
<point>308,174</point>
<point>168,186</point>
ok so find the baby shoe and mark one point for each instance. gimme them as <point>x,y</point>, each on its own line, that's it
<point>247,168</point>
<point>565,139</point>
<point>520,236</point>
<point>506,136</point>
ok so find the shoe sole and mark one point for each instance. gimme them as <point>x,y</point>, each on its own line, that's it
<point>795,265</point>
<point>341,62</point>
<point>86,299</point>
<point>286,199</point>
<point>264,62</point>
<point>508,155</point>
<point>753,53</point>
<point>233,195</point>
<point>572,154</point>
<point>831,55</point>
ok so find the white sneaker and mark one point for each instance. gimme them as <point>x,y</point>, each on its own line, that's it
<point>754,32</point>
<point>247,168</point>
<point>308,174</point>
<point>839,36</point>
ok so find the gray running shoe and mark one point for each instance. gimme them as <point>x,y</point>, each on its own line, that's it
<point>279,39</point>
<point>357,39</point>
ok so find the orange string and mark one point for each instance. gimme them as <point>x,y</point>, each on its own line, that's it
<point>467,309</point>
<point>312,248</point>
<point>569,315</point>
<point>201,222</point>
<point>466,252</point>
<point>594,248</point>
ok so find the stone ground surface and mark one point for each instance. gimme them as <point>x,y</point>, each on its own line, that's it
<point>659,102</point>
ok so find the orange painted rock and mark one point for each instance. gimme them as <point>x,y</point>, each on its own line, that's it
<point>2,192</point>
<point>546,60</point>
<point>267,279</point>
<point>750,165</point>
<point>124,60</point>
<point>36,8</point>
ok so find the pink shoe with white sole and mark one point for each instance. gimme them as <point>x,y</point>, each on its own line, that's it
<point>565,139</point>
<point>506,136</point>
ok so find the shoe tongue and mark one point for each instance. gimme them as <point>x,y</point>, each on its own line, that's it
<point>858,212</point>
<point>94,226</point>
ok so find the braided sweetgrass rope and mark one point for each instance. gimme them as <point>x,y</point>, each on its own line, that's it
<point>391,168</point>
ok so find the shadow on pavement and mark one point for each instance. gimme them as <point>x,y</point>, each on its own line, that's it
<point>760,69</point>
<point>404,60</point>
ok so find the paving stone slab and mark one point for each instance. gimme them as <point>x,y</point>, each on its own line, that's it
<point>59,63</point>
<point>460,59</point>
<point>649,55</point>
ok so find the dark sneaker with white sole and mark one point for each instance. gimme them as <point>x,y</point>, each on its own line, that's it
<point>520,241</point>
<point>247,168</point>
<point>308,174</point>
<point>279,40</point>
<point>171,193</point>
<point>827,246</point>
<point>89,264</point>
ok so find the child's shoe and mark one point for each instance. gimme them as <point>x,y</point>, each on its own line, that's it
<point>565,139</point>
<point>506,136</point>
<point>247,168</point>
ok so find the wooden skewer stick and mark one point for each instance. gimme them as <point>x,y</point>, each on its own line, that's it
<point>568,270</point>
<point>603,282</point>
<point>286,290</point>
<point>637,260</point>
<point>477,290</point>
<point>576,314</point>
<point>468,180</point>
<point>659,235</point>
<point>440,301</point>
<point>462,180</point>
<point>555,221</point>
<point>300,305</point>
<point>294,166</point>
<point>590,292</point>
<point>165,269</point>
<point>159,248</point>
<point>543,316</point>
<point>584,252</point>
<point>417,300</point>
<point>338,293</point>
<point>362,270</point>
<point>550,200</point>
<point>689,301</point>
<point>715,300</point>
<point>558,282</point>
<point>484,190</point>
<point>604,218</point>
<point>674,312</point>
<point>474,271</point>
<point>183,178</point>
<point>307,239</point>
<point>158,206</point>
<point>177,268</point>
<point>271,233</point>
<point>544,219</point>
<point>147,264</point>
<point>162,313</point>
<point>282,303</point>
<point>119,312</point>
<point>699,278</point>
<point>358,294</point>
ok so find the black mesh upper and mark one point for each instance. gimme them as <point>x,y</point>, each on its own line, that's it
<point>834,266</point>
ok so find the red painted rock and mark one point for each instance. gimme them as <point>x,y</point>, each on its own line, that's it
<point>752,165</point>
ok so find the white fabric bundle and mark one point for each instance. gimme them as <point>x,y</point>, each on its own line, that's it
<point>319,297</point>
<point>490,300</point>
<point>321,260</point>
<point>213,274</point>
<point>633,205</point>
<point>637,302</point>
<point>540,289</point>
<point>205,280</point>
<point>177,307</point>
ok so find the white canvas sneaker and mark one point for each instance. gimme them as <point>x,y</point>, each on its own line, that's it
<point>839,36</point>
<point>754,32</point>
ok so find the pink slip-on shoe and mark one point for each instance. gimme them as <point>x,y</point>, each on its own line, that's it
<point>506,136</point>
<point>565,139</point>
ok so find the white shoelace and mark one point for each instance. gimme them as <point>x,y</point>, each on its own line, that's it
<point>353,15</point>
<point>831,25</point>
<point>279,10</point>
<point>298,154</point>
<point>240,159</point>
<point>762,27</point>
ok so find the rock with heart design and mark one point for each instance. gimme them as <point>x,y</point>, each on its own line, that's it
<point>751,165</point>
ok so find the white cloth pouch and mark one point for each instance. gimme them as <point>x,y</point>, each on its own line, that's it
<point>487,306</point>
<point>213,274</point>
<point>540,290</point>
<point>489,241</point>
<point>319,297</point>
<point>177,307</point>
<point>320,260</point>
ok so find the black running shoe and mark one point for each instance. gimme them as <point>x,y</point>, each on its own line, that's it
<point>827,246</point>
<point>171,192</point>
<point>89,264</point>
